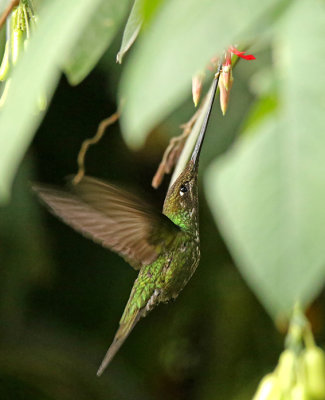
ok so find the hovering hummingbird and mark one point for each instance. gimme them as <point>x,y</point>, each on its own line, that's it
<point>163,246</point>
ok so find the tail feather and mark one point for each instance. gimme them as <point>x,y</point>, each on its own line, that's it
<point>120,337</point>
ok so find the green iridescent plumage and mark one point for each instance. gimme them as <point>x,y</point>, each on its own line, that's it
<point>163,246</point>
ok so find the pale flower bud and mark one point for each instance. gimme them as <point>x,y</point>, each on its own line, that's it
<point>5,64</point>
<point>299,392</point>
<point>268,389</point>
<point>286,370</point>
<point>224,96</point>
<point>314,367</point>
<point>197,83</point>
<point>226,76</point>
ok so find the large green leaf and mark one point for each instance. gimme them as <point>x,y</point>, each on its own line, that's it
<point>268,193</point>
<point>179,41</point>
<point>60,25</point>
<point>3,4</point>
<point>97,35</point>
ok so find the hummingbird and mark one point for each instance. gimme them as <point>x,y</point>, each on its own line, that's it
<point>163,246</point>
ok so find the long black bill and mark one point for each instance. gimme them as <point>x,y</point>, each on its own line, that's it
<point>197,149</point>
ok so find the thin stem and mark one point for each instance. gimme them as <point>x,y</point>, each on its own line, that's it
<point>88,142</point>
<point>299,332</point>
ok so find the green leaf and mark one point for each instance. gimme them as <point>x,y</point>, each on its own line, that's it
<point>96,37</point>
<point>177,43</point>
<point>37,71</point>
<point>267,194</point>
<point>131,30</point>
<point>3,4</point>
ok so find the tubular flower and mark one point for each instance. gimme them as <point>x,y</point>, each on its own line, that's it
<point>241,54</point>
<point>197,83</point>
<point>226,77</point>
<point>225,83</point>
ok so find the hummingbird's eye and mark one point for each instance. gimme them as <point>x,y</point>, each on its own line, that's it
<point>183,189</point>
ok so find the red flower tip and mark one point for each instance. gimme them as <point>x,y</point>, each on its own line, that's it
<point>241,54</point>
<point>249,57</point>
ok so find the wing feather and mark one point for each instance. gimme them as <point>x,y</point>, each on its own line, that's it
<point>111,217</point>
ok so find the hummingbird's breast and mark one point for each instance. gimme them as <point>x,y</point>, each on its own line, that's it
<point>180,265</point>
<point>164,279</point>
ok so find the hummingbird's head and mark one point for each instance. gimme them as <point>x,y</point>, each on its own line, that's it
<point>181,202</point>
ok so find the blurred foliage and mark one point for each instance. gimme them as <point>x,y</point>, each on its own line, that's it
<point>88,50</point>
<point>62,296</point>
<point>277,233</point>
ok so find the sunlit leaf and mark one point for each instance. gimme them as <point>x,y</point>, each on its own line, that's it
<point>268,193</point>
<point>97,35</point>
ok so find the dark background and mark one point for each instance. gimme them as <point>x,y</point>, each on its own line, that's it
<point>61,296</point>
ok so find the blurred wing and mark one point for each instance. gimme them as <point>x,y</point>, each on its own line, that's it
<point>112,217</point>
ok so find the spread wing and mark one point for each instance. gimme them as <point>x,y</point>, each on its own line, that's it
<point>112,217</point>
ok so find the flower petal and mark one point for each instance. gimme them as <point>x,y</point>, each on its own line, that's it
<point>241,54</point>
